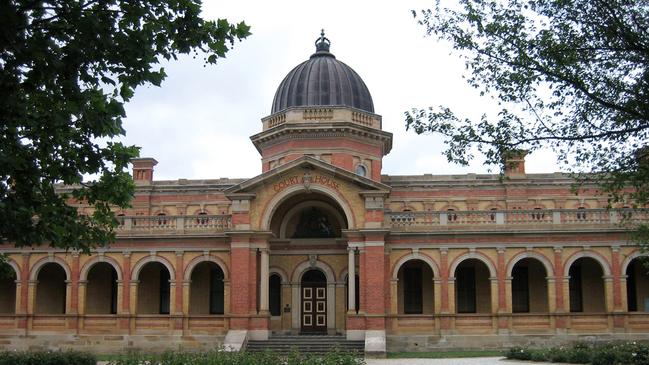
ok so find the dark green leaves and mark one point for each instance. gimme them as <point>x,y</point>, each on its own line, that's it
<point>570,75</point>
<point>66,68</point>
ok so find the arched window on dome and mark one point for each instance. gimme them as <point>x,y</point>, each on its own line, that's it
<point>361,170</point>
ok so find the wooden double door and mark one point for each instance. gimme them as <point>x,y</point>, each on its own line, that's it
<point>313,300</point>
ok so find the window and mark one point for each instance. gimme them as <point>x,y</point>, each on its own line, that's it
<point>465,289</point>
<point>450,215</point>
<point>162,219</point>
<point>538,214</point>
<point>520,290</point>
<point>492,215</point>
<point>275,295</point>
<point>120,219</point>
<point>361,170</point>
<point>202,219</point>
<point>581,213</point>
<point>626,212</point>
<point>412,293</point>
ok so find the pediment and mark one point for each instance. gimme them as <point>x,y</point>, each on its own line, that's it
<point>307,171</point>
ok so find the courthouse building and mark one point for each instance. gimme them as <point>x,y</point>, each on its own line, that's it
<point>322,242</point>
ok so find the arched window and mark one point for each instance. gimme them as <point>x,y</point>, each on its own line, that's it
<point>275,295</point>
<point>492,215</point>
<point>361,170</point>
<point>581,213</point>
<point>202,218</point>
<point>451,216</point>
<point>162,219</point>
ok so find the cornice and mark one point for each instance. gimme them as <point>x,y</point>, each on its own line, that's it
<point>293,131</point>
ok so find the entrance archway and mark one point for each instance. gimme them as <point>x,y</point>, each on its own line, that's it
<point>313,302</point>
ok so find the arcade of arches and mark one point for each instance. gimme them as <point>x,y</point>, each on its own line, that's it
<point>324,241</point>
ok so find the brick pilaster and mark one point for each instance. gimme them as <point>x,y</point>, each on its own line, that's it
<point>240,281</point>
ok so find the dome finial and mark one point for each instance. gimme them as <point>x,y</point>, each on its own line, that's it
<point>322,43</point>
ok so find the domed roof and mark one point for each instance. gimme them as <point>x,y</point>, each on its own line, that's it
<point>322,80</point>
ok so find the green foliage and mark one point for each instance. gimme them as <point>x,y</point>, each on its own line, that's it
<point>238,358</point>
<point>47,358</point>
<point>633,353</point>
<point>66,70</point>
<point>567,75</point>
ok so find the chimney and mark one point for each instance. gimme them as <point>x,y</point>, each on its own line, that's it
<point>143,170</point>
<point>514,163</point>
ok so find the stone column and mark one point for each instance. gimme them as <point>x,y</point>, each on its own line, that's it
<point>351,280</point>
<point>126,280</point>
<point>263,291</point>
<point>74,283</point>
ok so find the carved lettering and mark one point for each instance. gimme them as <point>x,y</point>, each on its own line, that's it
<point>295,179</point>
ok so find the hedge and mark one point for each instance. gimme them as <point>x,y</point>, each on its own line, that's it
<point>238,358</point>
<point>47,358</point>
<point>614,353</point>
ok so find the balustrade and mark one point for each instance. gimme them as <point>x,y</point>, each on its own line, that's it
<point>173,224</point>
<point>506,219</point>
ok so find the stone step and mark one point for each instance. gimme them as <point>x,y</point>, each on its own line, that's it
<point>284,344</point>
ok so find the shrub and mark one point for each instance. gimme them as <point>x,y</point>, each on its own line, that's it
<point>47,358</point>
<point>237,358</point>
<point>631,353</point>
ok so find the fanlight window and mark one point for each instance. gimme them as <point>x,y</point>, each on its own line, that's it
<point>313,223</point>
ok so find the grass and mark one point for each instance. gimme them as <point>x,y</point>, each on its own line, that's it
<point>444,354</point>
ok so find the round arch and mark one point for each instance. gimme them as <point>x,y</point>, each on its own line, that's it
<point>276,201</point>
<point>83,274</point>
<point>295,209</point>
<point>135,273</point>
<point>307,265</point>
<point>472,255</point>
<point>36,268</point>
<point>278,271</point>
<point>606,269</point>
<point>415,256</point>
<point>205,258</point>
<point>15,267</point>
<point>549,269</point>
<point>627,261</point>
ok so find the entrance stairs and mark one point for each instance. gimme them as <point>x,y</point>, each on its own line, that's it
<point>313,344</point>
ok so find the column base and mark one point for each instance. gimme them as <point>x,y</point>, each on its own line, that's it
<point>375,344</point>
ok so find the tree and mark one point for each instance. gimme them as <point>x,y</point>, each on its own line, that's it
<point>66,69</point>
<point>571,75</point>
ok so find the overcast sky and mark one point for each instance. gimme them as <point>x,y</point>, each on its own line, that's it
<point>198,124</point>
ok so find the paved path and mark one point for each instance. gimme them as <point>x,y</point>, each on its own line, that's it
<point>458,361</point>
